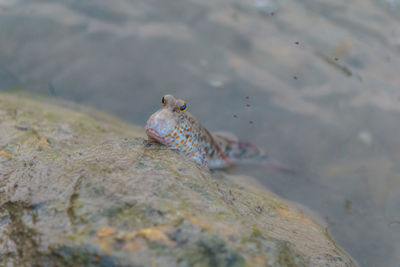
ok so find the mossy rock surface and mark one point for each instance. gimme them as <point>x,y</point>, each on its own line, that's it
<point>81,188</point>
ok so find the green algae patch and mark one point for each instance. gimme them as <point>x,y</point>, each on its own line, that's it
<point>25,237</point>
<point>211,251</point>
<point>82,188</point>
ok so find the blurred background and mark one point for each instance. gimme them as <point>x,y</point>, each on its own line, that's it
<point>316,83</point>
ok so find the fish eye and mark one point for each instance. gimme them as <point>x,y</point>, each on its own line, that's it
<point>163,100</point>
<point>183,108</point>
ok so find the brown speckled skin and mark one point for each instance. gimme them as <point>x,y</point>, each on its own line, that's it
<point>179,130</point>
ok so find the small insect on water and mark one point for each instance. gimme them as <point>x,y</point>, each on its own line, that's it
<point>176,128</point>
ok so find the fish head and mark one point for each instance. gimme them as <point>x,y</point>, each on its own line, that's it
<point>163,123</point>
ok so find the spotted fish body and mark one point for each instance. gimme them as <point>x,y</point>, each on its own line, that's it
<point>179,130</point>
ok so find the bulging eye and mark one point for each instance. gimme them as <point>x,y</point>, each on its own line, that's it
<point>183,108</point>
<point>163,100</point>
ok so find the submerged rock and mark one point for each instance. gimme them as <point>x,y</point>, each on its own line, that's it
<point>79,187</point>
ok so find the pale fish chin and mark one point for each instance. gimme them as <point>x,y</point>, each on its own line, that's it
<point>154,135</point>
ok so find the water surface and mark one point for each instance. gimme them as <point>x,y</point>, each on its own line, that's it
<point>314,83</point>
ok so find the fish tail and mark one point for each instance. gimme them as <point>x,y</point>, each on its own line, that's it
<point>248,153</point>
<point>242,152</point>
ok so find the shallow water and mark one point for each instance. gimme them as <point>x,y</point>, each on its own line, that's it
<point>319,80</point>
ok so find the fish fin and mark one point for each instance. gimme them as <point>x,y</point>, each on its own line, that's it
<point>225,135</point>
<point>249,151</point>
<point>238,151</point>
<point>255,156</point>
<point>243,152</point>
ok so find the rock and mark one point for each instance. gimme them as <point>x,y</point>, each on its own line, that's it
<point>79,187</point>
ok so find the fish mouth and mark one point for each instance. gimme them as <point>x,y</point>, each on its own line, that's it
<point>154,135</point>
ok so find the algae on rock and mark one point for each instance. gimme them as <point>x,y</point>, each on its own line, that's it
<point>82,188</point>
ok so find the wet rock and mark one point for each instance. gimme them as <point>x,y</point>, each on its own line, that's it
<point>79,187</point>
